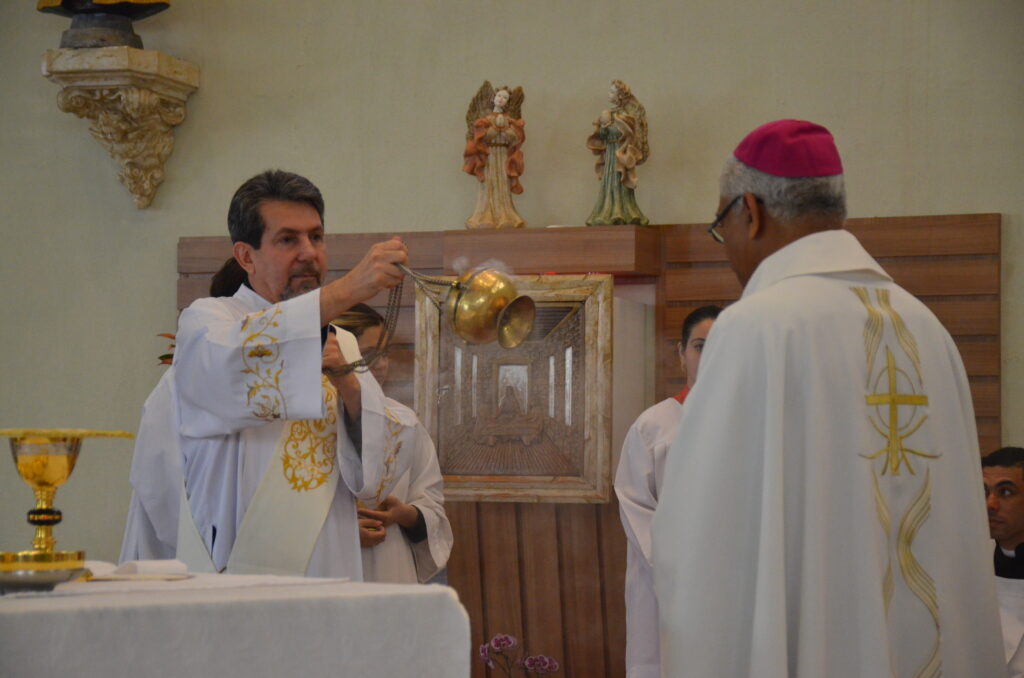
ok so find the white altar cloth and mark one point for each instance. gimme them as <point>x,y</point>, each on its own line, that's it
<point>227,626</point>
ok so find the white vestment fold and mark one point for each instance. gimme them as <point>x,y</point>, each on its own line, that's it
<point>245,390</point>
<point>397,560</point>
<point>822,511</point>
<point>637,486</point>
<point>1011,613</point>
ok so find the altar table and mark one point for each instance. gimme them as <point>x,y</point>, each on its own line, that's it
<point>235,625</point>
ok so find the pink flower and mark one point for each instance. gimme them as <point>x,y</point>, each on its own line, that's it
<point>540,664</point>
<point>485,656</point>
<point>502,642</point>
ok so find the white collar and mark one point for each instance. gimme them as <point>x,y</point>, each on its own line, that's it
<point>830,251</point>
<point>250,297</point>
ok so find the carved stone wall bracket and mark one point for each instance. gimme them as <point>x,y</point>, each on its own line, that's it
<point>133,98</point>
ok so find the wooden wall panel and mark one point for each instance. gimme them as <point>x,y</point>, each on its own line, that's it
<point>541,586</point>
<point>581,589</point>
<point>464,573</point>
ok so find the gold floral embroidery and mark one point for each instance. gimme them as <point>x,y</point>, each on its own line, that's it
<point>310,450</point>
<point>261,356</point>
<point>393,444</point>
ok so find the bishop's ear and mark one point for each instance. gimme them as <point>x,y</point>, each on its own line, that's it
<point>755,227</point>
<point>243,255</point>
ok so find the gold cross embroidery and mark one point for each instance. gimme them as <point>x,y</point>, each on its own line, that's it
<point>896,452</point>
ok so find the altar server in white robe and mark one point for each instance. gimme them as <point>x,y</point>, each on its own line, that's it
<point>271,439</point>
<point>406,538</point>
<point>638,484</point>
<point>822,511</point>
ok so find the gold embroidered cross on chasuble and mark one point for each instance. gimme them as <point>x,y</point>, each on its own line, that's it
<point>897,408</point>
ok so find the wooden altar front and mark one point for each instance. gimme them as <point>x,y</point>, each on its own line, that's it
<point>552,574</point>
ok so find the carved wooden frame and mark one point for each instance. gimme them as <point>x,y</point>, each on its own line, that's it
<point>592,444</point>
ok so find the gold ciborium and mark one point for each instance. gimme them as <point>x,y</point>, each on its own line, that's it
<point>45,459</point>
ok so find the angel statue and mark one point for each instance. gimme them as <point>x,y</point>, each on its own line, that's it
<point>494,155</point>
<point>620,143</point>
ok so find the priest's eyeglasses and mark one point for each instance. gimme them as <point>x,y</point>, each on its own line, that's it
<point>713,228</point>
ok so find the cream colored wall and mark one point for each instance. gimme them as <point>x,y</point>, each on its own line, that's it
<point>368,99</point>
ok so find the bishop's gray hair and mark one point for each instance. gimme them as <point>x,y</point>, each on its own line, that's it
<point>786,199</point>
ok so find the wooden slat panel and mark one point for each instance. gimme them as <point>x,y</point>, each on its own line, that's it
<point>928,235</point>
<point>613,576</point>
<point>207,254</point>
<point>989,435</point>
<point>698,283</point>
<point>542,595</point>
<point>967,317</point>
<point>191,288</point>
<point>605,249</point>
<point>986,397</point>
<point>690,243</point>
<point>948,234</point>
<point>500,569</point>
<point>981,358</point>
<point>938,277</point>
<point>203,254</point>
<point>464,572</point>
<point>581,590</point>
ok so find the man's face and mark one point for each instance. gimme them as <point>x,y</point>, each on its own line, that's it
<point>1004,498</point>
<point>292,258</point>
<point>733,228</point>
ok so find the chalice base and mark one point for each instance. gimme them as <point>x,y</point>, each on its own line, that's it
<point>38,570</point>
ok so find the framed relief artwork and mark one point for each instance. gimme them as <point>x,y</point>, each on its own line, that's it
<point>532,423</point>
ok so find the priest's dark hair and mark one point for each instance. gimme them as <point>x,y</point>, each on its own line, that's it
<point>228,279</point>
<point>358,319</point>
<point>245,224</point>
<point>1008,457</point>
<point>696,317</point>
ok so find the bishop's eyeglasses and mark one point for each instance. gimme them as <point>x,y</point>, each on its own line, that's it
<point>713,228</point>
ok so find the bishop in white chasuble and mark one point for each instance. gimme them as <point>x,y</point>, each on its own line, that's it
<point>822,511</point>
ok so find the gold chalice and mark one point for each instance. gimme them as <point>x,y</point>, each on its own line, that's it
<point>45,459</point>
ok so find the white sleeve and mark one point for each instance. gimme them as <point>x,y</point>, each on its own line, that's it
<point>388,444</point>
<point>635,487</point>
<point>235,371</point>
<point>426,492</point>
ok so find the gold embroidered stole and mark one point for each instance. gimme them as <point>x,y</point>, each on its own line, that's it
<point>287,512</point>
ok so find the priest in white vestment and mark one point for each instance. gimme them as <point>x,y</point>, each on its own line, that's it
<point>406,537</point>
<point>822,512</point>
<point>257,424</point>
<point>637,486</point>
